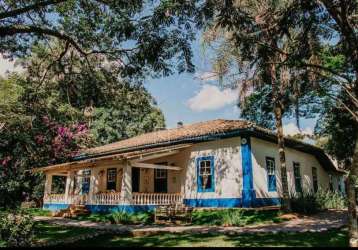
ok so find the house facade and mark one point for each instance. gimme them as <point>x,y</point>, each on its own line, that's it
<point>219,163</point>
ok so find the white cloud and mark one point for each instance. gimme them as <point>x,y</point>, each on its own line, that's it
<point>292,129</point>
<point>8,66</point>
<point>212,98</point>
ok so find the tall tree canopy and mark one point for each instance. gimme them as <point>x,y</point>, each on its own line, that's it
<point>55,108</point>
<point>142,36</point>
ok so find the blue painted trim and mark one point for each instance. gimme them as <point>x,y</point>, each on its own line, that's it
<point>231,202</point>
<point>223,202</point>
<point>271,185</point>
<point>212,167</point>
<point>55,207</point>
<point>103,209</point>
<point>248,192</point>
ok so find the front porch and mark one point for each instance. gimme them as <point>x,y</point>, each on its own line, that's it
<point>137,183</point>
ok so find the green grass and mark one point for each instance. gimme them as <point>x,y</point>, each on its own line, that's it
<point>244,217</point>
<point>48,232</point>
<point>45,232</point>
<point>38,211</point>
<point>331,238</point>
<point>235,216</point>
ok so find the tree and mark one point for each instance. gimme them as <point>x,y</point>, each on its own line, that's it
<point>254,41</point>
<point>141,36</point>
<point>55,108</point>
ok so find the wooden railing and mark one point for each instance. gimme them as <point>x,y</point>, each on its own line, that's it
<point>54,198</point>
<point>115,198</point>
<point>156,198</point>
<point>107,198</point>
<point>78,199</point>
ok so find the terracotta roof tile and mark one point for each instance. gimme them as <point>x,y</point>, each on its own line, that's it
<point>187,131</point>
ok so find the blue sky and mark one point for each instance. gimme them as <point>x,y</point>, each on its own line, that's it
<point>184,97</point>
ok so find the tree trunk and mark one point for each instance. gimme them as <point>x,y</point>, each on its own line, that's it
<point>352,210</point>
<point>286,205</point>
<point>278,111</point>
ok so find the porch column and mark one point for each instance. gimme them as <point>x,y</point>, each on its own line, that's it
<point>93,185</point>
<point>69,186</point>
<point>126,193</point>
<point>48,183</point>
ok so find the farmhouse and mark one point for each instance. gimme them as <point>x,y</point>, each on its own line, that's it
<point>217,163</point>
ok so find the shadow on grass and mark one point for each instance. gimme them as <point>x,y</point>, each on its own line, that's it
<point>48,232</point>
<point>330,238</point>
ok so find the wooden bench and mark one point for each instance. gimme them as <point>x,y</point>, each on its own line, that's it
<point>173,213</point>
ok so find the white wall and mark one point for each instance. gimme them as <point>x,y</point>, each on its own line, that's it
<point>261,149</point>
<point>228,170</point>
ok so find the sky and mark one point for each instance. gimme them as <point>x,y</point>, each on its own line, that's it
<point>187,98</point>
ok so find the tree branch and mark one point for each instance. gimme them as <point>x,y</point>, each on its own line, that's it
<point>21,29</point>
<point>28,8</point>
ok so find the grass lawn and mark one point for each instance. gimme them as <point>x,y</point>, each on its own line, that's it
<point>235,217</point>
<point>48,232</point>
<point>331,238</point>
<point>45,232</point>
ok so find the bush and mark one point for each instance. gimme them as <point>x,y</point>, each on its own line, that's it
<point>234,217</point>
<point>131,218</point>
<point>16,229</point>
<point>305,203</point>
<point>310,203</point>
<point>331,199</point>
<point>121,218</point>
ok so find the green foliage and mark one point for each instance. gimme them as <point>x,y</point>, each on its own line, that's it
<point>140,37</point>
<point>17,229</point>
<point>311,203</point>
<point>131,218</point>
<point>38,212</point>
<point>45,118</point>
<point>327,199</point>
<point>234,216</point>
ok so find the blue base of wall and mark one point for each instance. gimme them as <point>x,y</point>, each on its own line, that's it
<point>232,202</point>
<point>223,202</point>
<point>54,207</point>
<point>104,208</point>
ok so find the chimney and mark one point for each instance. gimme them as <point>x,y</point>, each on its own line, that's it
<point>179,124</point>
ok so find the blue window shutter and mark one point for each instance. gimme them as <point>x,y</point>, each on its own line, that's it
<point>271,178</point>
<point>271,183</point>
<point>212,167</point>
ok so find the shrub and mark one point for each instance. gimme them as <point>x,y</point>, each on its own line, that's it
<point>16,229</point>
<point>121,218</point>
<point>132,218</point>
<point>310,203</point>
<point>331,199</point>
<point>234,217</point>
<point>305,202</point>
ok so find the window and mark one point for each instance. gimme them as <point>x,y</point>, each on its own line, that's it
<point>330,182</point>
<point>297,176</point>
<point>111,178</point>
<point>314,179</point>
<point>205,171</point>
<point>271,176</point>
<point>86,178</point>
<point>161,179</point>
<point>160,173</point>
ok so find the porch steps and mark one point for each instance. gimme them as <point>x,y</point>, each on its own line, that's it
<point>72,211</point>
